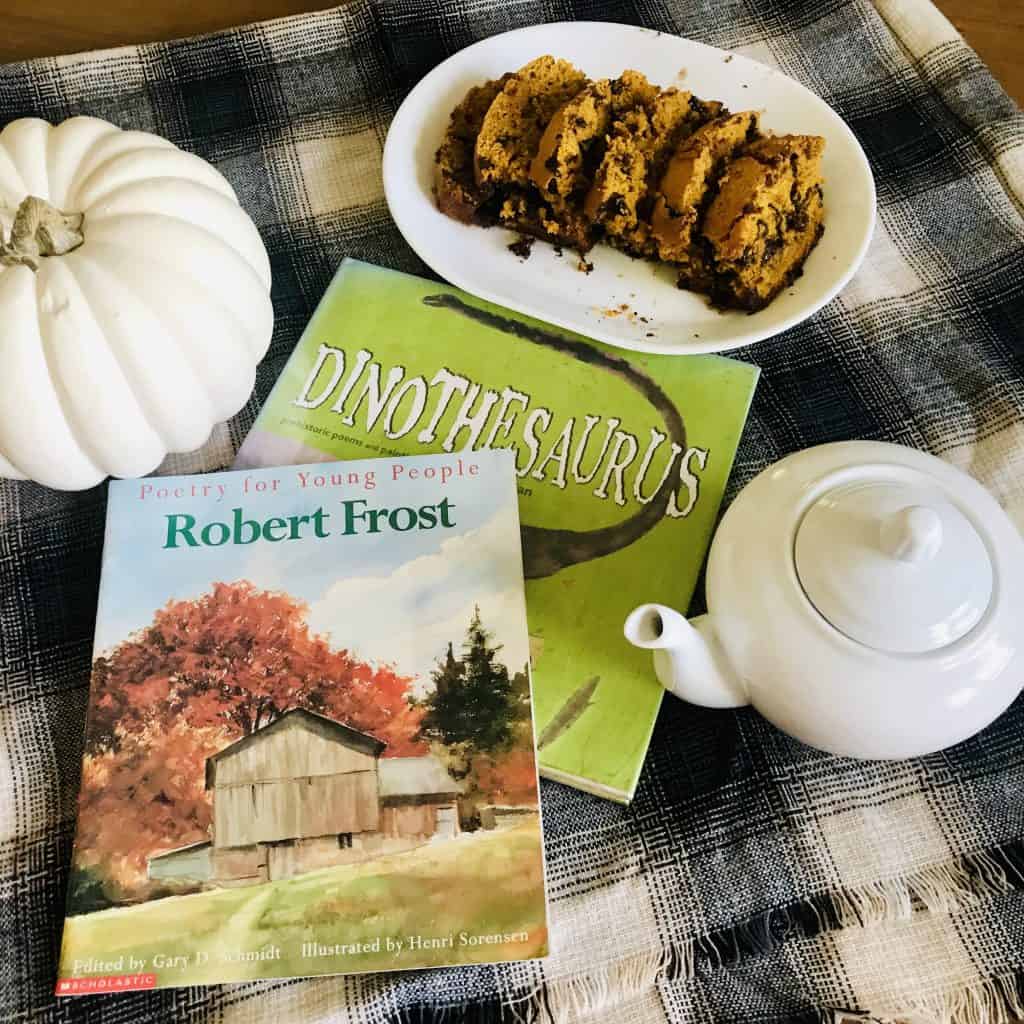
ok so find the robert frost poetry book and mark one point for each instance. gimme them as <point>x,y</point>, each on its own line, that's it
<point>310,744</point>
<point>621,458</point>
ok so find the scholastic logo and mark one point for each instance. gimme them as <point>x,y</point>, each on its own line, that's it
<point>105,983</point>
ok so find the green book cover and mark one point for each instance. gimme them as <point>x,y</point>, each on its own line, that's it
<point>621,459</point>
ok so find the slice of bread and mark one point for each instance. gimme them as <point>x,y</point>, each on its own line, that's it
<point>512,127</point>
<point>622,194</point>
<point>689,180</point>
<point>455,187</point>
<point>674,119</point>
<point>571,146</point>
<point>621,180</point>
<point>765,219</point>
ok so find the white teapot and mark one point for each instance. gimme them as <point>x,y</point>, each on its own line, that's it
<point>866,598</point>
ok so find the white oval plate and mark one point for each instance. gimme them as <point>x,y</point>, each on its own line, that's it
<point>658,316</point>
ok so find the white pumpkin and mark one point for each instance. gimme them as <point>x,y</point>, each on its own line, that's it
<point>134,301</point>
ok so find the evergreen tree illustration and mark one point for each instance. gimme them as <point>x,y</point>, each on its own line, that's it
<point>474,704</point>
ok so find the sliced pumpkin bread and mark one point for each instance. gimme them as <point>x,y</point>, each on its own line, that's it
<point>687,179</point>
<point>455,187</point>
<point>658,173</point>
<point>512,127</point>
<point>622,194</point>
<point>765,219</point>
<point>688,183</point>
<point>564,161</point>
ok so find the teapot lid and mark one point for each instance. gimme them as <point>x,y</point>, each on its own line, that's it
<point>891,562</point>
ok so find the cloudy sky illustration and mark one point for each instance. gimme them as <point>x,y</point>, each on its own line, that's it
<point>392,597</point>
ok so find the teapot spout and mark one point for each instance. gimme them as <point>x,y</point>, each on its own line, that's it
<point>688,659</point>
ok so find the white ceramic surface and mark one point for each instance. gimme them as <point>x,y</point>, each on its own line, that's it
<point>660,317</point>
<point>893,564</point>
<point>950,578</point>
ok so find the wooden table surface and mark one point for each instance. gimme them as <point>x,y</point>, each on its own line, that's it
<point>36,28</point>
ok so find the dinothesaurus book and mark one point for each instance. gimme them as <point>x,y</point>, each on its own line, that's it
<point>309,747</point>
<point>621,461</point>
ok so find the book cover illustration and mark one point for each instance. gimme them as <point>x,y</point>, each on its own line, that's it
<point>622,459</point>
<point>309,746</point>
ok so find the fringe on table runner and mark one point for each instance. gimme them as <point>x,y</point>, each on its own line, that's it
<point>997,1000</point>
<point>992,1001</point>
<point>938,889</point>
<point>560,1000</point>
<point>569,999</point>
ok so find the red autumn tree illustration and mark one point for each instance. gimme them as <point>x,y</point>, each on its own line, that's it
<point>206,672</point>
<point>507,777</point>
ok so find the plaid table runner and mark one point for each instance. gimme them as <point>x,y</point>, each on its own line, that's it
<point>752,879</point>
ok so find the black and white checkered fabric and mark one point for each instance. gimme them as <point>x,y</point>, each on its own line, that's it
<point>752,879</point>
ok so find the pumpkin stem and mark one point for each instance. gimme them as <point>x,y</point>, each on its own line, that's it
<point>40,229</point>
